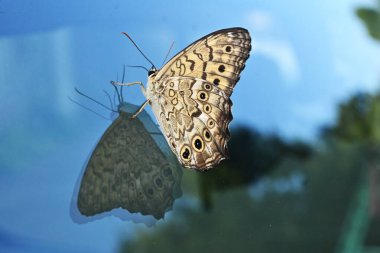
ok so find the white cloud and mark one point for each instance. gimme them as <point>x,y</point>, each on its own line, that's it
<point>260,20</point>
<point>283,54</point>
<point>267,42</point>
<point>313,112</point>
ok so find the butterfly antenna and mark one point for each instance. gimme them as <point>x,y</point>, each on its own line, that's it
<point>167,54</point>
<point>81,93</point>
<point>117,93</point>
<point>142,67</point>
<point>109,98</point>
<point>126,34</point>
<point>122,81</point>
<point>114,98</point>
<point>85,107</point>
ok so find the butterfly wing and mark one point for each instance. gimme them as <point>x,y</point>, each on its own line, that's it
<point>128,170</point>
<point>191,96</point>
<point>217,58</point>
<point>194,115</point>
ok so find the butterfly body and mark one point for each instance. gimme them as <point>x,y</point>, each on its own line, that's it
<point>190,96</point>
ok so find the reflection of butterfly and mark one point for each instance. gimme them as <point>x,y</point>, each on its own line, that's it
<point>190,96</point>
<point>129,169</point>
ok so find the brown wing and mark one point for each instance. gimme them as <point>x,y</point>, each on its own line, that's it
<point>127,169</point>
<point>217,58</point>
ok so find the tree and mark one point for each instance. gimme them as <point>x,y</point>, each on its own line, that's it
<point>309,220</point>
<point>252,155</point>
<point>371,19</point>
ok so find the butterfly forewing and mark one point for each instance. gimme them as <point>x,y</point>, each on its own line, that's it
<point>217,58</point>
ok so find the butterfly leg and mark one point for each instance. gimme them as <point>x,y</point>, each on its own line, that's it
<point>140,109</point>
<point>131,84</point>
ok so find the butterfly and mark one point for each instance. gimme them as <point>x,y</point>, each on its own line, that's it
<point>119,174</point>
<point>190,96</point>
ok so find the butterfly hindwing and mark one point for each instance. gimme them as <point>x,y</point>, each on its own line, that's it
<point>195,115</point>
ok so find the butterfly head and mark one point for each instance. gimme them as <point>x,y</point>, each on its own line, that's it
<point>152,70</point>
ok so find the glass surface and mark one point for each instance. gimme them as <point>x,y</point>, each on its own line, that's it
<point>303,173</point>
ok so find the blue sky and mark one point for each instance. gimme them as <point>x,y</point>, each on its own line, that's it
<point>306,58</point>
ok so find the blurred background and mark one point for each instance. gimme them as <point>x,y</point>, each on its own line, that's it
<point>304,173</point>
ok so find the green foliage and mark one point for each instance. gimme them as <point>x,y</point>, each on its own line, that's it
<point>373,236</point>
<point>306,221</point>
<point>358,119</point>
<point>252,155</point>
<point>371,19</point>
